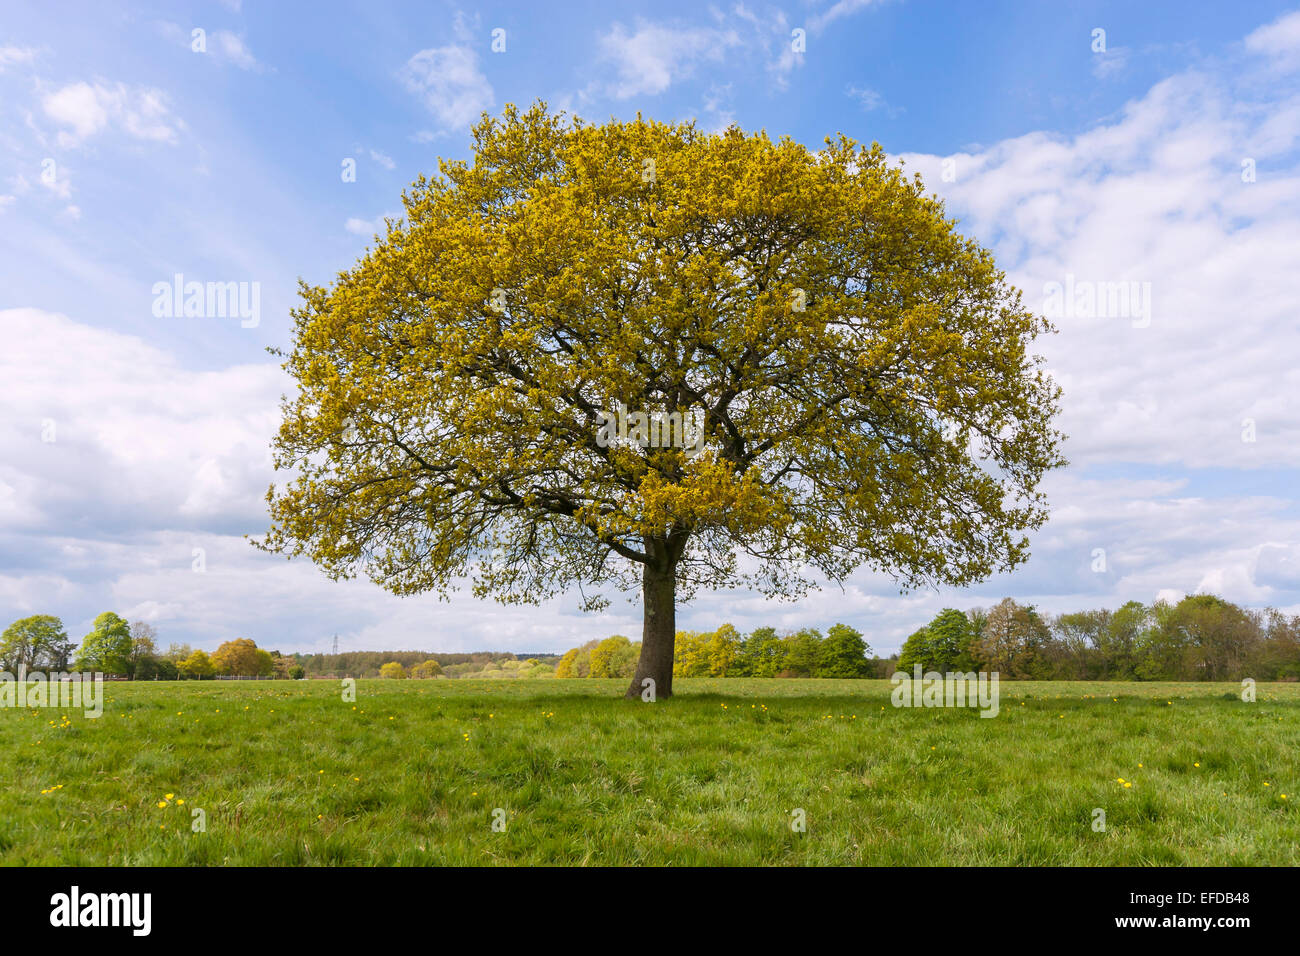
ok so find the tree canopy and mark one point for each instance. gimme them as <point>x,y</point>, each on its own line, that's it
<point>862,375</point>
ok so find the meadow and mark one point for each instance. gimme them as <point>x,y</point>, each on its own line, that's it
<point>417,772</point>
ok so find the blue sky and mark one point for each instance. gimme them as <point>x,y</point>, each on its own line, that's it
<point>129,440</point>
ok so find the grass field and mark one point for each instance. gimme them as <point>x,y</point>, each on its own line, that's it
<point>287,773</point>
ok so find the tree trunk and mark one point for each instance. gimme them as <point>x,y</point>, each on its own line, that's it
<point>658,633</point>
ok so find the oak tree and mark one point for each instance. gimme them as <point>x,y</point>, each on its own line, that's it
<point>857,373</point>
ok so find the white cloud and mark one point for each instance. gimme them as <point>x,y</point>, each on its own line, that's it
<point>1155,197</point>
<point>836,11</point>
<point>1279,40</point>
<point>369,227</point>
<point>88,109</point>
<point>135,436</point>
<point>15,55</point>
<point>233,49</point>
<point>871,100</point>
<point>80,106</point>
<point>649,60</point>
<point>1110,62</point>
<point>450,83</point>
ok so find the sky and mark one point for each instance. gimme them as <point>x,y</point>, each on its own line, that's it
<point>1135,170</point>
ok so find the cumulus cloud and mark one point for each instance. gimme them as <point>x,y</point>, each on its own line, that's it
<point>1197,368</point>
<point>87,109</point>
<point>103,430</point>
<point>1279,41</point>
<point>233,49</point>
<point>449,81</point>
<point>16,56</point>
<point>650,58</point>
<point>837,11</point>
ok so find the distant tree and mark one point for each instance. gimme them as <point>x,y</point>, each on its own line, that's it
<point>691,654</point>
<point>178,652</point>
<point>392,671</point>
<point>242,658</point>
<point>722,649</point>
<point>426,670</point>
<point>564,667</point>
<point>144,651</point>
<point>1121,640</point>
<point>33,643</point>
<point>608,655</point>
<point>762,654</point>
<point>1013,641</point>
<point>582,660</point>
<point>941,646</point>
<point>1218,636</point>
<point>198,665</point>
<point>107,648</point>
<point>1082,637</point>
<point>802,653</point>
<point>164,668</point>
<point>1163,646</point>
<point>1278,656</point>
<point>915,652</point>
<point>283,665</point>
<point>298,672</point>
<point>843,653</point>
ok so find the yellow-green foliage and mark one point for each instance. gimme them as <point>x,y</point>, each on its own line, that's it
<point>870,391</point>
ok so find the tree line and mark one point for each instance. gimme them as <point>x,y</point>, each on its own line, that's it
<point>1201,637</point>
<point>841,652</point>
<point>115,648</point>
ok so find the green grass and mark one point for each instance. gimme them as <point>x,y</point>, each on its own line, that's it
<point>289,774</point>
